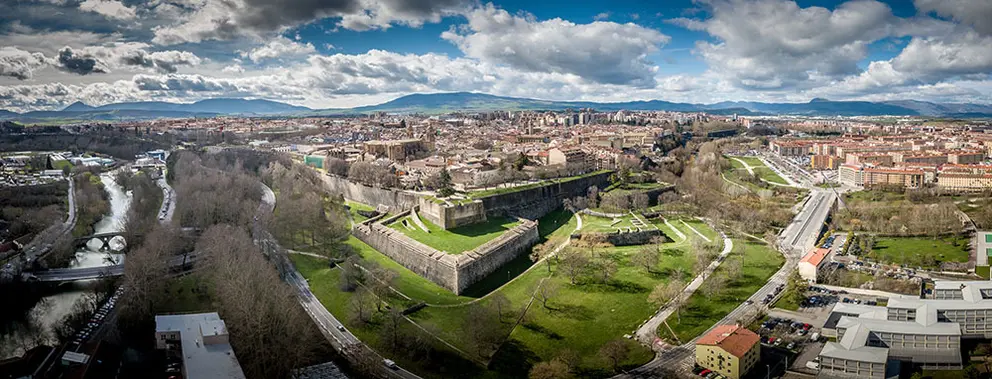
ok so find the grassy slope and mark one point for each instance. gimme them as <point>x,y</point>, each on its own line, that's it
<point>355,207</point>
<point>911,250</point>
<point>457,240</point>
<point>700,313</point>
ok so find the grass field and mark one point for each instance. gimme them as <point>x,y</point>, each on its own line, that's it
<point>913,251</point>
<point>759,168</point>
<point>982,271</point>
<point>457,240</point>
<point>186,294</point>
<point>580,318</point>
<point>701,312</point>
<point>605,224</point>
<point>355,207</point>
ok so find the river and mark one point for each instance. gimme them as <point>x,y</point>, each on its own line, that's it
<point>53,308</point>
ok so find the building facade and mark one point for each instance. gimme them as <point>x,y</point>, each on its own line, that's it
<point>729,350</point>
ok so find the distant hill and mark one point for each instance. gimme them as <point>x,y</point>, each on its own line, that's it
<point>470,102</point>
<point>439,103</point>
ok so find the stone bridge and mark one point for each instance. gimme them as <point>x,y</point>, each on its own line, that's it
<point>103,237</point>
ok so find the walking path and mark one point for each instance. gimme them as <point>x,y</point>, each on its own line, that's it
<point>696,231</point>
<point>676,230</point>
<point>750,170</point>
<point>647,333</point>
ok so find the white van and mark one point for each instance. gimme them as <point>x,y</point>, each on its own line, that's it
<point>815,337</point>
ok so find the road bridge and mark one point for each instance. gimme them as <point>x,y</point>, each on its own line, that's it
<point>180,262</point>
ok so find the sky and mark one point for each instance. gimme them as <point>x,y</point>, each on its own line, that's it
<point>346,53</point>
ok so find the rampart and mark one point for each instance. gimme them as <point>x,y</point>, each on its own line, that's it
<point>456,272</point>
<point>396,200</point>
<point>533,203</point>
<point>449,216</point>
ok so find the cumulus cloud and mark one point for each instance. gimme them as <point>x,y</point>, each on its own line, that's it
<point>775,43</point>
<point>135,54</point>
<point>110,8</point>
<point>20,64</point>
<point>81,64</point>
<point>281,48</point>
<point>935,58</point>
<point>231,19</point>
<point>976,13</point>
<point>604,52</point>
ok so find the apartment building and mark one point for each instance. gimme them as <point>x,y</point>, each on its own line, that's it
<point>791,148</point>
<point>729,350</point>
<point>872,341</point>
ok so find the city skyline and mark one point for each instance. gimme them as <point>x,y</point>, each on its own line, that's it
<point>354,53</point>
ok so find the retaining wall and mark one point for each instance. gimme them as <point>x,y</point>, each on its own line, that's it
<point>434,265</point>
<point>395,200</point>
<point>633,238</point>
<point>452,216</point>
<point>456,272</point>
<point>478,263</point>
<point>534,203</point>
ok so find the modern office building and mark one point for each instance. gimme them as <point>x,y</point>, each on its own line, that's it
<point>729,350</point>
<point>201,341</point>
<point>872,341</point>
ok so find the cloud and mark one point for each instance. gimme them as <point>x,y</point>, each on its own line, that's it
<point>280,47</point>
<point>936,58</point>
<point>68,61</point>
<point>233,19</point>
<point>767,44</point>
<point>976,13</point>
<point>20,64</point>
<point>604,52</point>
<point>602,16</point>
<point>110,8</point>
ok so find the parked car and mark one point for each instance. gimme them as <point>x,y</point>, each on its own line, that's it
<point>791,345</point>
<point>705,372</point>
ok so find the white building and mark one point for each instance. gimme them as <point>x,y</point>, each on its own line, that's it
<point>983,244</point>
<point>812,264</point>
<point>201,340</point>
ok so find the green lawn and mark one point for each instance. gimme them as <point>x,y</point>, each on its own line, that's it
<point>457,240</point>
<point>701,313</point>
<point>914,251</point>
<point>769,175</point>
<point>759,167</point>
<point>355,207</point>
<point>786,302</point>
<point>605,224</point>
<point>407,282</point>
<point>186,294</point>
<point>982,271</point>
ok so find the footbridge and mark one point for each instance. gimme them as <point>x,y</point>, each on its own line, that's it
<point>176,263</point>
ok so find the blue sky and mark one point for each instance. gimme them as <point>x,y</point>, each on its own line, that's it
<point>343,53</point>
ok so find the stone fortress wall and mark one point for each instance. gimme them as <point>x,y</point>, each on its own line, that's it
<point>454,215</point>
<point>455,272</point>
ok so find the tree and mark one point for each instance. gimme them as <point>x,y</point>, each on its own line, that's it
<point>360,307</point>
<point>574,262</point>
<point>554,369</point>
<point>615,352</point>
<point>605,267</point>
<point>647,257</point>
<point>543,250</point>
<point>351,274</point>
<point>499,301</point>
<point>669,293</point>
<point>391,331</point>
<point>796,288</point>
<point>484,328</point>
<point>337,167</point>
<point>639,201</point>
<point>546,290</point>
<point>714,286</point>
<point>444,184</point>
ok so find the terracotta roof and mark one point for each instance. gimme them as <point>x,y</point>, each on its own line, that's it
<point>731,338</point>
<point>815,257</point>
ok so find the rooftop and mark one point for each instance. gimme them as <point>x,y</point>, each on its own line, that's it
<point>731,338</point>
<point>815,257</point>
<point>202,360</point>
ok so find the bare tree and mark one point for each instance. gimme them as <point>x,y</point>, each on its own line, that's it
<point>360,307</point>
<point>714,286</point>
<point>647,257</point>
<point>615,352</point>
<point>484,328</point>
<point>553,369</point>
<point>499,301</point>
<point>574,262</point>
<point>639,200</point>
<point>669,293</point>
<point>546,291</point>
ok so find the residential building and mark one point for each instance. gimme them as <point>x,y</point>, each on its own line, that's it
<point>811,265</point>
<point>729,350</point>
<point>791,148</point>
<point>396,150</point>
<point>201,340</point>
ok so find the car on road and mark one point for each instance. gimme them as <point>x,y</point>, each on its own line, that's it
<point>389,363</point>
<point>341,328</point>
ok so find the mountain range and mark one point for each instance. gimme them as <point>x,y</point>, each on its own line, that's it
<point>468,102</point>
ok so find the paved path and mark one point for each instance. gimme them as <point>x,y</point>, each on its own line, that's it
<point>647,333</point>
<point>700,234</point>
<point>676,230</point>
<point>168,201</point>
